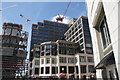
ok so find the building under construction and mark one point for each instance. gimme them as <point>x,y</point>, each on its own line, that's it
<point>13,44</point>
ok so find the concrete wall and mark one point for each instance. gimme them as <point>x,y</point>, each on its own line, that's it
<point>111,12</point>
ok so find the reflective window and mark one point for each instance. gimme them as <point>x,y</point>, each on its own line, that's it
<point>105,33</point>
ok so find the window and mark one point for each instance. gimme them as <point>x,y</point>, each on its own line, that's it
<point>48,47</point>
<point>91,68</point>
<point>54,70</point>
<point>42,61</point>
<point>47,60</point>
<point>81,41</point>
<point>37,54</point>
<point>82,59</point>
<point>89,50</point>
<point>81,35</point>
<point>63,60</point>
<point>54,60</point>
<point>71,69</point>
<point>36,70</point>
<point>77,38</point>
<point>63,69</point>
<point>83,68</point>
<point>82,46</point>
<point>79,26</point>
<point>47,70</point>
<point>37,62</point>
<point>88,45</point>
<point>30,72</point>
<point>90,59</point>
<point>42,70</point>
<point>42,53</point>
<point>71,60</point>
<point>105,33</point>
<point>34,26</point>
<point>80,30</point>
<point>42,48</point>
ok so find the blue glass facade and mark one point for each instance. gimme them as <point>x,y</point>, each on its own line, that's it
<point>47,31</point>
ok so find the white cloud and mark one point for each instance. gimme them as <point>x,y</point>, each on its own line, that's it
<point>65,20</point>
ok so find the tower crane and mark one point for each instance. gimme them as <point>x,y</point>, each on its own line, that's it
<point>27,20</point>
<point>8,7</point>
<point>60,18</point>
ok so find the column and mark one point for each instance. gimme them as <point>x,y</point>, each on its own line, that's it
<point>51,66</point>
<point>87,71</point>
<point>75,72</point>
<point>67,72</point>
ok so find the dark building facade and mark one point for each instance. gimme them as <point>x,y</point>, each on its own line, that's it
<point>46,31</point>
<point>79,32</point>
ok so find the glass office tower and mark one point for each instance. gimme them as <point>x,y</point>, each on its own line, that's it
<point>46,31</point>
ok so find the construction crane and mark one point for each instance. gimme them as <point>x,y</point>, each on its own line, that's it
<point>8,7</point>
<point>60,18</point>
<point>27,20</point>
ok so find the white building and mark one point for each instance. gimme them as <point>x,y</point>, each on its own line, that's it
<point>61,57</point>
<point>104,26</point>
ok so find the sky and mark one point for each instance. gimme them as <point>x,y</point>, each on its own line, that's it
<point>39,11</point>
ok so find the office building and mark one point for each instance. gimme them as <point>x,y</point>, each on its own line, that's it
<point>46,31</point>
<point>61,57</point>
<point>79,32</point>
<point>104,26</point>
<point>13,43</point>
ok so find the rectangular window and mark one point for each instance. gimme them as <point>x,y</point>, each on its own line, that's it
<point>71,60</point>
<point>71,70</point>
<point>82,59</point>
<point>54,70</point>
<point>90,59</point>
<point>91,68</point>
<point>54,60</point>
<point>63,60</point>
<point>30,72</point>
<point>37,62</point>
<point>42,61</point>
<point>88,45</point>
<point>47,70</point>
<point>47,60</point>
<point>83,68</point>
<point>42,70</point>
<point>89,50</point>
<point>37,71</point>
<point>105,33</point>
